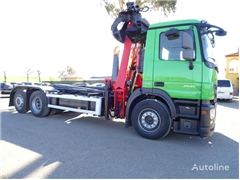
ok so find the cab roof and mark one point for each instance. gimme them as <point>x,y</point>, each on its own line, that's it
<point>176,22</point>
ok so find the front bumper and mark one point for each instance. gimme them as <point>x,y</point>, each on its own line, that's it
<point>204,126</point>
<point>207,124</point>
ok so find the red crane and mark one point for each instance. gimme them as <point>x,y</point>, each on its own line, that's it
<point>133,35</point>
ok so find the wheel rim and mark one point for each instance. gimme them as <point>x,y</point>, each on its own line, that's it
<point>19,102</point>
<point>149,120</point>
<point>36,104</point>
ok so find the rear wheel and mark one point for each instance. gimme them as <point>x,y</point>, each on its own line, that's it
<point>55,111</point>
<point>38,104</point>
<point>52,112</point>
<point>151,119</point>
<point>20,101</point>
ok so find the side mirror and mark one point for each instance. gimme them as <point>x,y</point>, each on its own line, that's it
<point>188,54</point>
<point>187,41</point>
<point>187,44</point>
<point>221,33</point>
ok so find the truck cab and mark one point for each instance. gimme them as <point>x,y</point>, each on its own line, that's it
<point>169,70</point>
<point>190,83</point>
<point>180,71</point>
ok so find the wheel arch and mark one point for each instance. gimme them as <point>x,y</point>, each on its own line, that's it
<point>148,93</point>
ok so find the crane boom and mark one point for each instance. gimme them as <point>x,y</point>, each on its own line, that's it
<point>132,34</point>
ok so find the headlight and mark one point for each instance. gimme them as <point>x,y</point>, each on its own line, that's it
<point>212,113</point>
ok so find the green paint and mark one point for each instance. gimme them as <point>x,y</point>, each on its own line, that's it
<point>179,81</point>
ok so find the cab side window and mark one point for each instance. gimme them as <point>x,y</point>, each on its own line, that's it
<point>171,47</point>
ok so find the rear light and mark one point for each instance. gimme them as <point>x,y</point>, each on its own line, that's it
<point>231,93</point>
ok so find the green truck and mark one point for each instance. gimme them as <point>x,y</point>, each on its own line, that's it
<point>167,80</point>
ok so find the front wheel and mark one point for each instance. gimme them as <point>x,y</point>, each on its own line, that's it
<point>38,104</point>
<point>151,119</point>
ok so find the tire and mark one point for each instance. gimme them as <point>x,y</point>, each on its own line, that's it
<point>52,112</point>
<point>55,111</point>
<point>38,104</point>
<point>151,119</point>
<point>20,101</point>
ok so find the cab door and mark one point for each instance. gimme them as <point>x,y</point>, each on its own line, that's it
<point>171,72</point>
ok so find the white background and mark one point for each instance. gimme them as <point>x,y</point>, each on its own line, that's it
<point>49,35</point>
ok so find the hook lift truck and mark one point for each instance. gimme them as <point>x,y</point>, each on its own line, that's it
<point>167,79</point>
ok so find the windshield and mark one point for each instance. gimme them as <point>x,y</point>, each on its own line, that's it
<point>208,49</point>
